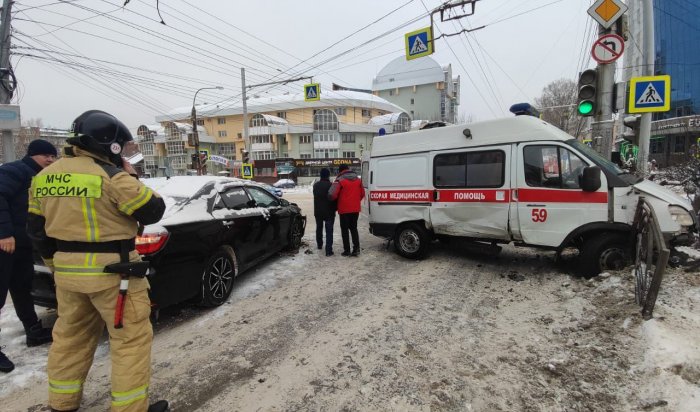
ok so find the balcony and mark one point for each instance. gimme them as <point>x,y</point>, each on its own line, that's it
<point>257,147</point>
<point>327,145</point>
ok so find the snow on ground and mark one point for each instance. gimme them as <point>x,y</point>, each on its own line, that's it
<point>379,332</point>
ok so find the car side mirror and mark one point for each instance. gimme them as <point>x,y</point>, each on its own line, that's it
<point>251,203</point>
<point>283,202</point>
<point>590,179</point>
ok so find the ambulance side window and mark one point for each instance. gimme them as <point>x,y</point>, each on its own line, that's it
<point>470,169</point>
<point>552,166</point>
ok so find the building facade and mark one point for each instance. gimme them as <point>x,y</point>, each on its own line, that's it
<point>424,89</point>
<point>674,134</point>
<point>288,136</point>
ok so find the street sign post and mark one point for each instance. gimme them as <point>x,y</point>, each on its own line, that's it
<point>606,12</point>
<point>312,92</point>
<point>419,43</point>
<point>608,48</point>
<point>247,171</point>
<point>649,94</point>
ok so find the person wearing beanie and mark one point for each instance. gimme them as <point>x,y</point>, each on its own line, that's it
<point>16,258</point>
<point>347,190</point>
<point>324,211</point>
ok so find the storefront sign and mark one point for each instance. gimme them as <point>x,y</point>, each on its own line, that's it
<point>325,162</point>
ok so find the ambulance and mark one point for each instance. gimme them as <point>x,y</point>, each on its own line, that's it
<point>518,180</point>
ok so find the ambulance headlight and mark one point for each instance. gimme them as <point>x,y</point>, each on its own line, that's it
<point>681,216</point>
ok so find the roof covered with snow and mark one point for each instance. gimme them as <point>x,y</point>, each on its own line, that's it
<point>329,98</point>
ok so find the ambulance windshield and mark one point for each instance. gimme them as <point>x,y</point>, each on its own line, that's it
<point>605,164</point>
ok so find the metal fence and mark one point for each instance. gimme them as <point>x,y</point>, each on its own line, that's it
<point>651,257</point>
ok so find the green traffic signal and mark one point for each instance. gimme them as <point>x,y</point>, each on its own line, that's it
<point>585,108</point>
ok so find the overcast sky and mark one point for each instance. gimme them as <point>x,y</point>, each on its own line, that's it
<point>95,54</point>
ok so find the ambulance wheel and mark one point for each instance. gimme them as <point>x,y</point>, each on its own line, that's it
<point>411,241</point>
<point>605,251</point>
<point>218,275</point>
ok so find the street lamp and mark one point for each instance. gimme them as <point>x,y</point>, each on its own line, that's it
<point>195,135</point>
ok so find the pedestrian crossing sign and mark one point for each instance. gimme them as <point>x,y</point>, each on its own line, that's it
<point>650,94</point>
<point>419,43</point>
<point>312,92</point>
<point>247,171</point>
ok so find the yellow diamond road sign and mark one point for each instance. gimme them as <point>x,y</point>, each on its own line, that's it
<point>606,12</point>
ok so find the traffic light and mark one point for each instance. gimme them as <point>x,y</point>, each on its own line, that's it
<point>246,156</point>
<point>587,88</point>
<point>633,123</point>
<point>194,161</point>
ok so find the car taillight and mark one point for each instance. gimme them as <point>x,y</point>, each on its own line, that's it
<point>149,243</point>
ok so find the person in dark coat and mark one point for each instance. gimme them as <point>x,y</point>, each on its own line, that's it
<point>348,191</point>
<point>324,211</point>
<point>16,260</point>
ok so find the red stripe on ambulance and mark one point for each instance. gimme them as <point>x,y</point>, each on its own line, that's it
<point>488,196</point>
<point>401,196</point>
<point>561,196</point>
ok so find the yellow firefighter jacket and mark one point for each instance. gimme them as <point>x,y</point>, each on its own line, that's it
<point>84,199</point>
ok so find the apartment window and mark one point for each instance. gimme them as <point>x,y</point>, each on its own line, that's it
<point>305,139</point>
<point>266,138</point>
<point>391,92</point>
<point>366,113</point>
<point>226,149</point>
<point>200,122</point>
<point>282,115</point>
<point>326,153</point>
<point>221,120</point>
<point>222,133</point>
<point>240,136</point>
<point>325,137</point>
<point>349,154</point>
<point>470,169</point>
<point>258,121</point>
<point>325,119</point>
<point>347,137</point>
<point>341,111</point>
<point>413,101</point>
<point>281,139</point>
<point>304,155</point>
<point>263,155</point>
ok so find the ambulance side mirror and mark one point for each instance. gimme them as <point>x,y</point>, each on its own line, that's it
<point>590,179</point>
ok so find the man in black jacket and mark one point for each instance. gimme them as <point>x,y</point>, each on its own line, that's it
<point>324,211</point>
<point>16,260</point>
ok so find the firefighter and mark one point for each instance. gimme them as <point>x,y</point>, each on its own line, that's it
<point>84,213</point>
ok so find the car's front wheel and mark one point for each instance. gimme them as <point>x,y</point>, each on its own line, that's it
<point>296,231</point>
<point>217,278</point>
<point>411,241</point>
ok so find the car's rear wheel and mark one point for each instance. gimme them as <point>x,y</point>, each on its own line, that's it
<point>411,241</point>
<point>217,279</point>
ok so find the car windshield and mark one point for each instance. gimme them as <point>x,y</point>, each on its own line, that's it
<point>602,162</point>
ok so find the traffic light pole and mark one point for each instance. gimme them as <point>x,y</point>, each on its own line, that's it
<point>602,126</point>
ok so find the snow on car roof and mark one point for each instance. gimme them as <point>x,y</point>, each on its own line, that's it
<point>185,186</point>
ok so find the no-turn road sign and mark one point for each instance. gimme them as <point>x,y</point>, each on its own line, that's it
<point>608,48</point>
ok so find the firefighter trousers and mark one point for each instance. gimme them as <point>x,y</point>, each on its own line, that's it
<point>81,321</point>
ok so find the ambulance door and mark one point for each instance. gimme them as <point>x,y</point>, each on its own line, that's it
<point>549,199</point>
<point>472,192</point>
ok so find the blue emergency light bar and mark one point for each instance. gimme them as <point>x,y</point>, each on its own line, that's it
<point>520,109</point>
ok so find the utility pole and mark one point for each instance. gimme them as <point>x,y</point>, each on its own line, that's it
<point>8,142</point>
<point>246,138</point>
<point>195,133</point>
<point>645,121</point>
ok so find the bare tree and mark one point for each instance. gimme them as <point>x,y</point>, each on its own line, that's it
<point>558,106</point>
<point>33,122</point>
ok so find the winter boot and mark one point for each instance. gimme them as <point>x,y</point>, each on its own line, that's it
<point>38,335</point>
<point>160,406</point>
<point>6,365</point>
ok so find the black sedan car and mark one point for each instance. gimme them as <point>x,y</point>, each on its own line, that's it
<point>214,229</point>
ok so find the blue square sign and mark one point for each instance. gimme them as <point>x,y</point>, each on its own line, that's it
<point>650,94</point>
<point>419,43</point>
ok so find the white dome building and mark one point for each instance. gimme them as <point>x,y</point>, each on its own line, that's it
<point>424,89</point>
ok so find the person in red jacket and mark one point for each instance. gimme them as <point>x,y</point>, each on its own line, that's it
<point>347,190</point>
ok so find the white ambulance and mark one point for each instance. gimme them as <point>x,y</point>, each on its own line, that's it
<point>517,179</point>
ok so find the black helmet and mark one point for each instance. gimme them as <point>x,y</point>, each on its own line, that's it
<point>101,133</point>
